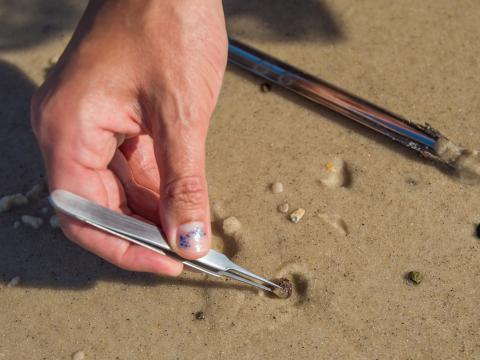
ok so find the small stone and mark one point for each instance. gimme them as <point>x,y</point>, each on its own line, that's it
<point>231,226</point>
<point>296,215</point>
<point>283,208</point>
<point>415,277</point>
<point>16,224</point>
<point>32,221</point>
<point>14,281</point>
<point>79,355</point>
<point>265,87</point>
<point>54,222</point>
<point>277,188</point>
<point>286,288</point>
<point>36,191</point>
<point>44,210</point>
<point>337,174</point>
<point>200,315</point>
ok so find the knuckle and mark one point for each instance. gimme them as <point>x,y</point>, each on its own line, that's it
<point>186,193</point>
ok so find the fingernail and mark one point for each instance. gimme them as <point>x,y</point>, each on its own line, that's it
<point>191,237</point>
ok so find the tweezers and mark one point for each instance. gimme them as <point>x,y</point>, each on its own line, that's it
<point>149,236</point>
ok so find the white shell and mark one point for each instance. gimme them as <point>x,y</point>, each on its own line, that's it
<point>277,188</point>
<point>231,226</point>
<point>296,215</point>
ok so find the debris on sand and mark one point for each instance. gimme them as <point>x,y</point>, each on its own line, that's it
<point>336,222</point>
<point>14,281</point>
<point>54,222</point>
<point>286,288</point>
<point>79,355</point>
<point>231,226</point>
<point>32,221</point>
<point>200,315</point>
<point>283,207</point>
<point>296,215</point>
<point>9,202</point>
<point>277,188</point>
<point>337,173</point>
<point>415,277</point>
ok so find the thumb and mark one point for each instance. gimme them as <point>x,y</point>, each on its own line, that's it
<point>184,209</point>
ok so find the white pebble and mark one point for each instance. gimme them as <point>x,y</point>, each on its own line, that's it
<point>337,175</point>
<point>36,191</point>
<point>231,226</point>
<point>44,210</point>
<point>277,188</point>
<point>53,60</point>
<point>54,223</point>
<point>32,221</point>
<point>336,222</point>
<point>283,208</point>
<point>296,215</point>
<point>9,202</point>
<point>14,282</point>
<point>79,355</point>
<point>16,224</point>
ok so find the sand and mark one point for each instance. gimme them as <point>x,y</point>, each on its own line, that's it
<point>352,300</point>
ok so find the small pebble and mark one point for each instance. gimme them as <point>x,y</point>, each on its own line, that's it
<point>337,174</point>
<point>14,282</point>
<point>231,226</point>
<point>54,222</point>
<point>296,215</point>
<point>36,191</point>
<point>415,277</point>
<point>32,221</point>
<point>277,188</point>
<point>79,355</point>
<point>283,208</point>
<point>286,288</point>
<point>16,224</point>
<point>265,87</point>
<point>9,202</point>
<point>200,315</point>
<point>44,210</point>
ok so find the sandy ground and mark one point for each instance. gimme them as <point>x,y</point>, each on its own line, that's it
<point>417,58</point>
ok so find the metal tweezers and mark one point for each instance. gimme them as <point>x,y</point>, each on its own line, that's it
<point>150,236</point>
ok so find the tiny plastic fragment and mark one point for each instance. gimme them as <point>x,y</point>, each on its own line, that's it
<point>296,215</point>
<point>14,281</point>
<point>32,221</point>
<point>231,226</point>
<point>286,288</point>
<point>277,188</point>
<point>337,174</point>
<point>283,208</point>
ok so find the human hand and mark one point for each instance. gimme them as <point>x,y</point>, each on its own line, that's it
<point>122,120</point>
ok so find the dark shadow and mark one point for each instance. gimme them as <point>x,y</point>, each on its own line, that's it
<point>29,22</point>
<point>282,20</point>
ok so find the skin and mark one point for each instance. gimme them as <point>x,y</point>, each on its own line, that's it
<point>122,120</point>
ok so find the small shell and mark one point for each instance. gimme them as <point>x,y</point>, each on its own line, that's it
<point>32,221</point>
<point>231,226</point>
<point>296,215</point>
<point>14,281</point>
<point>283,208</point>
<point>79,355</point>
<point>277,188</point>
<point>54,222</point>
<point>336,222</point>
<point>337,174</point>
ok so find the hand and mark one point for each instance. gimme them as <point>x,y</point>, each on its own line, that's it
<point>123,119</point>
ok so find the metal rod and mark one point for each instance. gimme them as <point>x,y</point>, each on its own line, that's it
<point>422,139</point>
